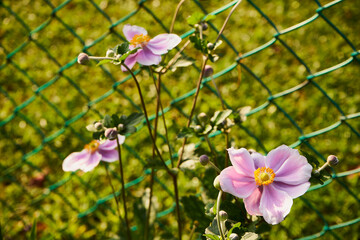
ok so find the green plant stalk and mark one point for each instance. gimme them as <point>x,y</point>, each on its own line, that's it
<point>218,221</point>
<point>211,149</point>
<point>123,194</point>
<point>175,14</point>
<point>113,190</point>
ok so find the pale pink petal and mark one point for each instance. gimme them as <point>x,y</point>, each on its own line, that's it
<point>259,160</point>
<point>109,155</point>
<point>131,30</point>
<point>295,170</point>
<point>236,183</point>
<point>242,161</point>
<point>130,61</point>
<point>121,139</point>
<point>163,42</point>
<point>92,161</point>
<point>147,58</point>
<point>252,202</point>
<point>293,190</point>
<point>276,158</point>
<point>75,160</point>
<point>108,145</point>
<point>275,204</point>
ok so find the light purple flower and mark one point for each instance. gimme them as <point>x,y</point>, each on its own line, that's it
<point>91,155</point>
<point>267,184</point>
<point>151,49</point>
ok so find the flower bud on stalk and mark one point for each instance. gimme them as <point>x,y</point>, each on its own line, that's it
<point>208,71</point>
<point>83,58</point>
<point>202,118</point>
<point>121,127</point>
<point>217,183</point>
<point>332,160</point>
<point>98,126</point>
<point>234,236</point>
<point>204,26</point>
<point>204,160</point>
<point>111,133</point>
<point>223,215</point>
<point>210,46</point>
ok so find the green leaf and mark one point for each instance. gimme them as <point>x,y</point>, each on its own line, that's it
<point>122,48</point>
<point>125,55</point>
<point>195,210</point>
<point>212,237</point>
<point>195,18</point>
<point>236,225</point>
<point>103,62</point>
<point>134,118</point>
<point>200,44</point>
<point>220,116</point>
<point>128,130</point>
<point>208,129</point>
<point>97,135</point>
<point>213,229</point>
<point>33,231</point>
<point>115,119</point>
<point>108,121</point>
<point>182,62</point>
<point>186,132</point>
<point>209,17</point>
<point>250,236</point>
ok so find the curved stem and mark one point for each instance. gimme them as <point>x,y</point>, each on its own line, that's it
<point>218,221</point>
<point>123,194</point>
<point>175,14</point>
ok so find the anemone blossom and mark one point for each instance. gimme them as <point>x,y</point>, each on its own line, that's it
<point>151,49</point>
<point>267,184</point>
<point>91,155</point>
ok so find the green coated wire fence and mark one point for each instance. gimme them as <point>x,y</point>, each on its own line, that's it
<point>24,91</point>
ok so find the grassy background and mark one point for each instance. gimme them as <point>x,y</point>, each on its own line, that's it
<point>39,44</point>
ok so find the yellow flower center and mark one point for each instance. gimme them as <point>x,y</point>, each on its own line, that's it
<point>264,176</point>
<point>140,39</point>
<point>92,146</point>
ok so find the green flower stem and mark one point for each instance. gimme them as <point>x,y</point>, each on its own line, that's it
<point>211,149</point>
<point>214,166</point>
<point>113,190</point>
<point>123,194</point>
<point>218,221</point>
<point>148,211</point>
<point>218,92</point>
<point>175,14</point>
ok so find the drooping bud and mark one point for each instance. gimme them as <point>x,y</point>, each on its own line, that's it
<point>216,183</point>
<point>208,71</point>
<point>203,118</point>
<point>83,58</point>
<point>204,26</point>
<point>111,133</point>
<point>223,215</point>
<point>204,159</point>
<point>332,160</point>
<point>98,126</point>
<point>234,236</point>
<point>210,46</point>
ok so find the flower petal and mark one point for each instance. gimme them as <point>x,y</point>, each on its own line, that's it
<point>276,157</point>
<point>131,30</point>
<point>294,191</point>
<point>147,58</point>
<point>92,161</point>
<point>242,161</point>
<point>163,42</point>
<point>252,202</point>
<point>75,160</point>
<point>121,139</point>
<point>274,204</point>
<point>235,183</point>
<point>295,170</point>
<point>130,61</point>
<point>109,155</point>
<point>259,160</point>
<point>108,145</point>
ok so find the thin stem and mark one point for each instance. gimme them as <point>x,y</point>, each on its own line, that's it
<point>113,190</point>
<point>211,149</point>
<point>215,167</point>
<point>192,231</point>
<point>148,212</point>
<point>177,206</point>
<point>123,194</point>
<point>218,202</point>
<point>175,14</point>
<point>175,58</point>
<point>101,58</point>
<point>218,92</point>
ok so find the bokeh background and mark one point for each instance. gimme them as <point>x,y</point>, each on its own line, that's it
<point>295,63</point>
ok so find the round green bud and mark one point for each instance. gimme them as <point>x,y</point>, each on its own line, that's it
<point>121,127</point>
<point>197,128</point>
<point>203,118</point>
<point>234,236</point>
<point>208,71</point>
<point>204,159</point>
<point>98,126</point>
<point>223,215</point>
<point>216,183</point>
<point>83,58</point>
<point>210,46</point>
<point>204,26</point>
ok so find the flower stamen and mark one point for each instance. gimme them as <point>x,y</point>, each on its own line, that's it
<point>140,39</point>
<point>92,146</point>
<point>264,176</point>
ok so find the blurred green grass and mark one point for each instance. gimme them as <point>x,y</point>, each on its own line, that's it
<point>26,156</point>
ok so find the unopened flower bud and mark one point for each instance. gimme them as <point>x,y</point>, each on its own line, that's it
<point>83,58</point>
<point>216,183</point>
<point>198,128</point>
<point>223,215</point>
<point>332,160</point>
<point>234,236</point>
<point>175,171</point>
<point>204,159</point>
<point>98,126</point>
<point>210,46</point>
<point>121,126</point>
<point>111,133</point>
<point>203,118</point>
<point>204,26</point>
<point>208,71</point>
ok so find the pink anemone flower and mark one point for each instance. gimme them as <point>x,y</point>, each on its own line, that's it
<point>151,49</point>
<point>91,155</point>
<point>267,184</point>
